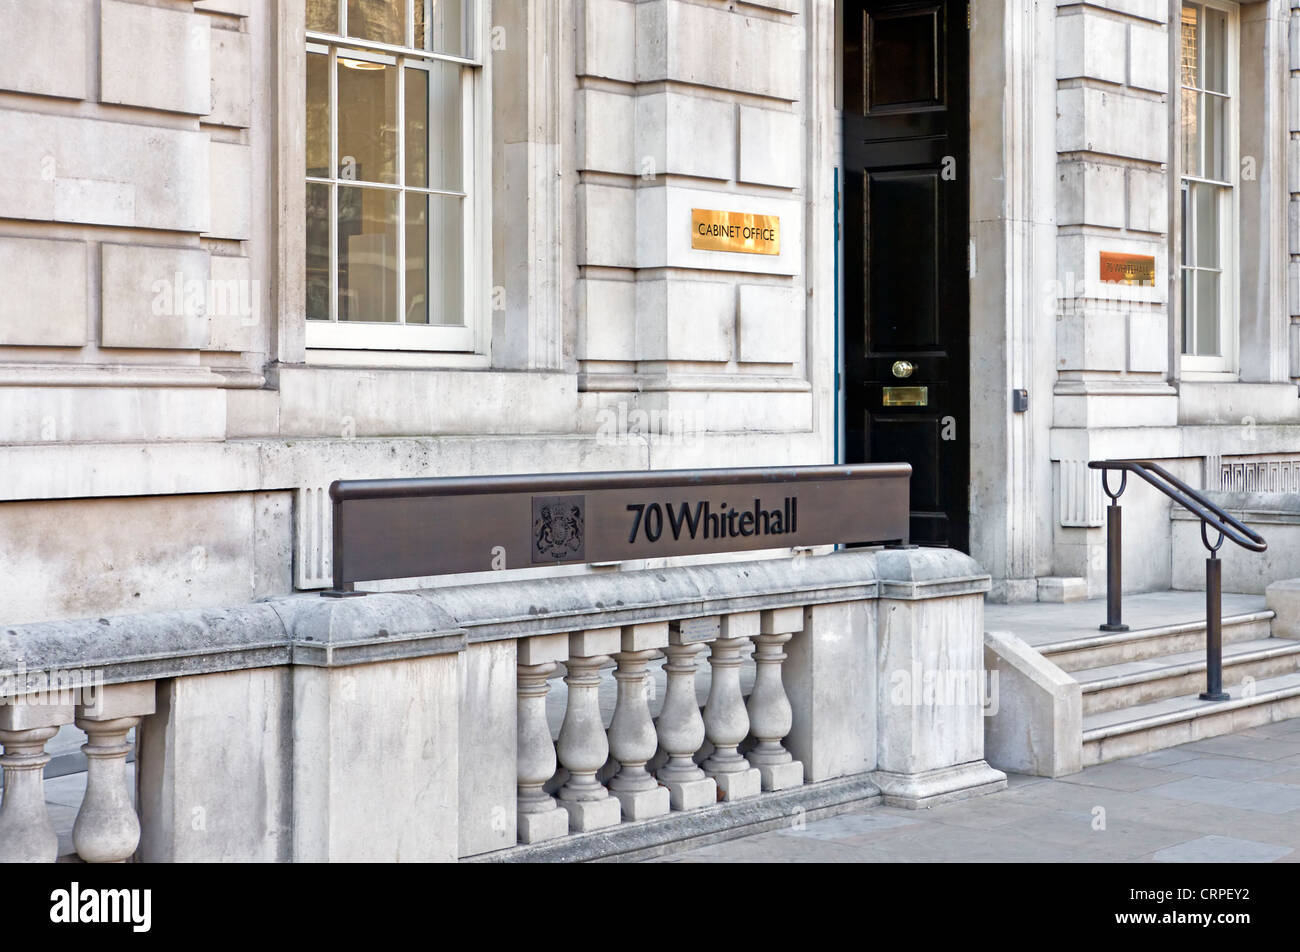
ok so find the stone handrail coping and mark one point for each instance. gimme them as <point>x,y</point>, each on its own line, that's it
<point>307,629</point>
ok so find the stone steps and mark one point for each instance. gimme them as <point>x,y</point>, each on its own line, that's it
<point>1171,721</point>
<point>1115,648</point>
<point>1133,683</point>
<point>1141,689</point>
<point>1138,690</point>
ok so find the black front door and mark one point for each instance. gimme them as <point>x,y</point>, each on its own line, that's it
<point>905,238</point>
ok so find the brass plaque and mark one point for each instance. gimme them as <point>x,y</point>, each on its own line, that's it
<point>906,397</point>
<point>1137,270</point>
<point>735,231</point>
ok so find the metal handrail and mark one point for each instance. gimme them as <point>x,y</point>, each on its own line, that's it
<point>1190,499</point>
<point>1212,516</point>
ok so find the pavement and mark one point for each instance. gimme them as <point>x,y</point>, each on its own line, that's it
<point>1229,799</point>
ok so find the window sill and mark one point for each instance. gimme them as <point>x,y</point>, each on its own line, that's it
<point>330,335</point>
<point>1208,376</point>
<point>397,359</point>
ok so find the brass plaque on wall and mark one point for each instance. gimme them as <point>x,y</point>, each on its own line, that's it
<point>735,231</point>
<point>906,397</point>
<point>1137,270</point>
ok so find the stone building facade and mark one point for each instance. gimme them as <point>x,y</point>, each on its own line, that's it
<point>203,206</point>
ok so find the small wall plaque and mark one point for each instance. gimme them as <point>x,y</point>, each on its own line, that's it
<point>1137,270</point>
<point>735,231</point>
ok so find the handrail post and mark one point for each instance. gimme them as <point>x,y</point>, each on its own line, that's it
<point>1114,561</point>
<point>1214,629</point>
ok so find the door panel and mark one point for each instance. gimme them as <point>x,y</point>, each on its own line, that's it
<point>902,218</point>
<point>906,231</point>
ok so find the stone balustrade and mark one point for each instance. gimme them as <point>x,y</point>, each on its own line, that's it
<point>107,828</point>
<point>414,726</point>
<point>681,731</point>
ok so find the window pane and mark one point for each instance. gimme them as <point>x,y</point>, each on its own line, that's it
<point>438,219</point>
<point>443,26</point>
<point>417,259</point>
<point>1191,133</point>
<point>1207,313</point>
<point>383,21</point>
<point>367,117</point>
<point>1189,311</point>
<point>318,115</point>
<point>1213,164</point>
<point>1206,210</point>
<point>318,251</point>
<point>1215,60</point>
<point>367,254</point>
<point>1188,58</point>
<point>433,127</point>
<point>323,16</point>
<point>1185,198</point>
<point>417,127</point>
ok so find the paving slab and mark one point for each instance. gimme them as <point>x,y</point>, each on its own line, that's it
<point>1222,849</point>
<point>1121,775</point>
<point>1229,768</point>
<point>1229,799</point>
<point>850,826</point>
<point>1261,797</point>
<point>1252,748</point>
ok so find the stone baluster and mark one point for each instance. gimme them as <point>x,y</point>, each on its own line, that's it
<point>584,746</point>
<point>770,716</point>
<point>726,721</point>
<point>632,738</point>
<point>538,816</point>
<point>680,726</point>
<point>107,829</point>
<point>26,833</point>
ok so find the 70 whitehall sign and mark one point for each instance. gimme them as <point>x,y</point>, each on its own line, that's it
<point>414,528</point>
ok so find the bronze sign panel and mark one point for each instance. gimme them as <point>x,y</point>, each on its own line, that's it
<point>412,528</point>
<point>735,231</point>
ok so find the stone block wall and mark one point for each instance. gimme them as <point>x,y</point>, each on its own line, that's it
<point>667,123</point>
<point>1112,139</point>
<point>127,188</point>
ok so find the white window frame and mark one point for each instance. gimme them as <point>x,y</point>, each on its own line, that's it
<point>1225,365</point>
<point>472,337</point>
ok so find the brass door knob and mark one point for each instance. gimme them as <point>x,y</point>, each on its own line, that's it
<point>903,369</point>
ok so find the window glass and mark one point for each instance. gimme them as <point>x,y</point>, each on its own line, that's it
<point>443,27</point>
<point>367,254</point>
<point>1213,165</point>
<point>1215,56</point>
<point>1206,210</point>
<point>1208,166</point>
<point>367,120</point>
<point>382,21</point>
<point>318,251</point>
<point>323,16</point>
<point>318,115</point>
<point>387,183</point>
